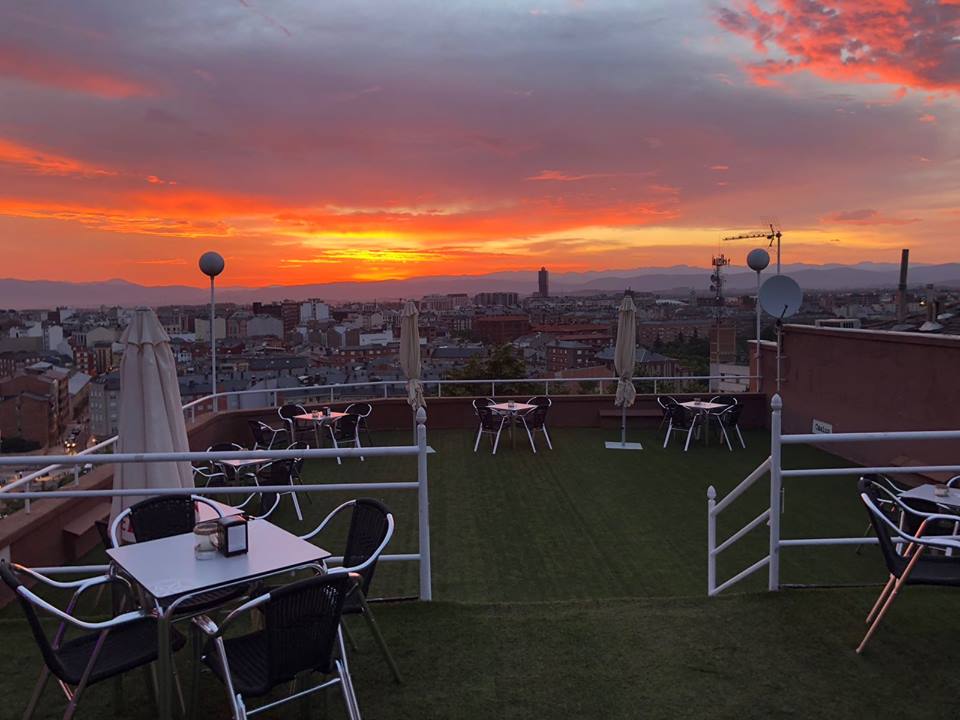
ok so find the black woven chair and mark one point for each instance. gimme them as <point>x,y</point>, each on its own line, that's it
<point>297,429</point>
<point>535,421</point>
<point>107,649</point>
<point>724,400</point>
<point>907,558</point>
<point>540,401</point>
<point>282,472</point>
<point>265,436</point>
<point>364,410</point>
<point>346,431</point>
<point>491,423</point>
<point>300,636</point>
<point>665,401</point>
<point>728,421</point>
<point>371,528</point>
<point>680,419</point>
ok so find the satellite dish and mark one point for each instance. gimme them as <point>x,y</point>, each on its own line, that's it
<point>780,296</point>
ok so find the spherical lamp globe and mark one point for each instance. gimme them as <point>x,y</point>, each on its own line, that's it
<point>758,260</point>
<point>211,263</point>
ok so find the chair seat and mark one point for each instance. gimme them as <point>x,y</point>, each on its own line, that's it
<point>125,648</point>
<point>213,599</point>
<point>936,570</point>
<point>249,665</point>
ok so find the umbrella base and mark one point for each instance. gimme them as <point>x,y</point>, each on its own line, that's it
<point>617,445</point>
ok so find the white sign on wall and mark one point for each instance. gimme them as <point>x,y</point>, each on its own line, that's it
<point>820,427</point>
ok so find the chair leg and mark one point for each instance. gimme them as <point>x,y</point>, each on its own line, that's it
<point>891,581</point>
<point>333,437</point>
<point>666,438</point>
<point>37,693</point>
<point>496,440</point>
<point>893,594</point>
<point>740,435</point>
<point>533,445</point>
<point>479,435</point>
<point>546,436</point>
<point>378,636</point>
<point>346,689</point>
<point>196,641</point>
<point>726,437</point>
<point>296,505</point>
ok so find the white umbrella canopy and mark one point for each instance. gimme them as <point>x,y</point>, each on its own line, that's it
<point>410,354</point>
<point>625,353</point>
<point>151,417</point>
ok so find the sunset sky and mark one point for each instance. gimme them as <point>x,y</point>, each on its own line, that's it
<point>315,141</point>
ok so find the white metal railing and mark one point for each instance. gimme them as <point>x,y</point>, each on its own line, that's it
<point>777,473</point>
<point>273,397</point>
<point>714,508</point>
<point>420,450</point>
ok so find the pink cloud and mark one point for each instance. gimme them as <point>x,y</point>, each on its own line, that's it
<point>866,216</point>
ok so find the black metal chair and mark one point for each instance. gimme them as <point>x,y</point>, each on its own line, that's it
<point>724,400</point>
<point>535,421</point>
<point>282,472</point>
<point>364,410</point>
<point>680,419</point>
<point>491,423</point>
<point>346,431</point>
<point>728,420</point>
<point>371,528</point>
<point>265,436</point>
<point>108,649</point>
<point>906,557</point>
<point>300,637</point>
<point>540,401</point>
<point>665,401</point>
<point>297,429</point>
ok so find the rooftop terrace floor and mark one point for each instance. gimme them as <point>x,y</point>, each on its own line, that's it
<point>573,583</point>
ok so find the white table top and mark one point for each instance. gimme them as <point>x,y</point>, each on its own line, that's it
<point>925,492</point>
<point>167,568</point>
<point>517,407</point>
<point>321,418</point>
<point>702,405</point>
<point>244,463</point>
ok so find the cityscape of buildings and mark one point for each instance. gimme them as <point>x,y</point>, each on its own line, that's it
<point>59,380</point>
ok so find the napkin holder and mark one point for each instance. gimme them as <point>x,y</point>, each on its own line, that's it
<point>233,538</point>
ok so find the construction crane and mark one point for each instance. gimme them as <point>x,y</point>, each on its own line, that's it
<point>772,235</point>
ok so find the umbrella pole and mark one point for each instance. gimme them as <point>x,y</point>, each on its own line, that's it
<point>623,444</point>
<point>623,424</point>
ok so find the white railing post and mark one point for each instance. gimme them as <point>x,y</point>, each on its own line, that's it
<point>711,541</point>
<point>76,475</point>
<point>546,388</point>
<point>439,389</point>
<point>776,428</point>
<point>26,503</point>
<point>655,386</point>
<point>423,506</point>
<point>493,388</point>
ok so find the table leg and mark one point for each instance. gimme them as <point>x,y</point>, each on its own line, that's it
<point>164,668</point>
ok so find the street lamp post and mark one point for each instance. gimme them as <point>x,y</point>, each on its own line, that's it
<point>758,260</point>
<point>211,264</point>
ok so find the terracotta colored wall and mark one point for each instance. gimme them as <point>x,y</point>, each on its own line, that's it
<point>863,381</point>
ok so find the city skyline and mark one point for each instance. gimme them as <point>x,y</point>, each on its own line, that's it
<point>368,141</point>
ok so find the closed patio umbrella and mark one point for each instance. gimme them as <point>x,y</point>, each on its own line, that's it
<point>410,354</point>
<point>151,418</point>
<point>624,358</point>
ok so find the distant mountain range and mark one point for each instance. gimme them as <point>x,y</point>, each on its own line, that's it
<point>680,279</point>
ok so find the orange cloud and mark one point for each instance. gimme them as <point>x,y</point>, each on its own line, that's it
<point>45,163</point>
<point>66,74</point>
<point>912,44</point>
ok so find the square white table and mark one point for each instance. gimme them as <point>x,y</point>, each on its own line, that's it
<point>704,408</point>
<point>168,570</point>
<point>926,492</point>
<point>320,421</point>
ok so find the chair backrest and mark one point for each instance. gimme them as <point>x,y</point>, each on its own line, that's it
<point>288,412</point>
<point>882,525</point>
<point>731,416</point>
<point>225,447</point>
<point>280,472</point>
<point>536,418</point>
<point>362,409</point>
<point>348,425</point>
<point>679,416</point>
<point>162,516</point>
<point>489,420</point>
<point>368,528</point>
<point>300,625</point>
<point>481,403</point>
<point>261,432</point>
<point>540,401</point>
<point>725,400</point>
<point>50,656</point>
<point>665,401</point>
<point>296,465</point>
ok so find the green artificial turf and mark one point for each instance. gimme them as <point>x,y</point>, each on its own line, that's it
<point>572,583</point>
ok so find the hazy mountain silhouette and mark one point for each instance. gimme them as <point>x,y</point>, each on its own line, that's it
<point>22,294</point>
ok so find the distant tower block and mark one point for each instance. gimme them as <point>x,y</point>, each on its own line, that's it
<point>543,281</point>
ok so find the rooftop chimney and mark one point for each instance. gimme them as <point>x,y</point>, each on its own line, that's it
<point>902,287</point>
